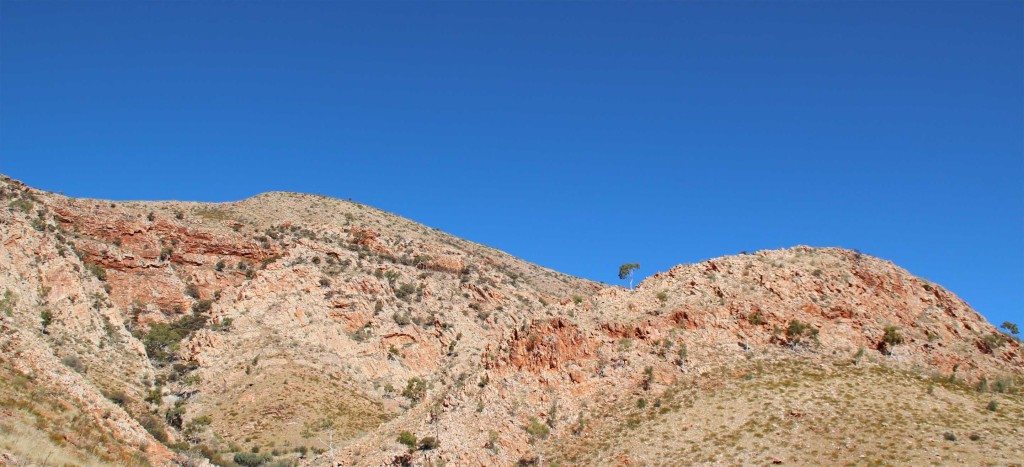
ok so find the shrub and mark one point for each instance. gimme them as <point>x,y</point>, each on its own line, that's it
<point>537,430</point>
<point>402,319</point>
<point>992,406</point>
<point>8,302</point>
<point>202,306</point>
<point>662,296</point>
<point>175,415</point>
<point>949,436</point>
<point>405,290</point>
<point>154,427</point>
<point>407,439</point>
<point>192,290</point>
<point>117,396</point>
<point>577,299</point>
<point>251,458</point>
<point>1010,327</point>
<point>756,318</point>
<point>428,443</point>
<point>415,389</point>
<point>166,253</point>
<point>161,342</point>
<point>799,332</point>
<point>46,318</point>
<point>96,270</point>
<point>219,266</point>
<point>892,336</point>
<point>991,342</point>
<point>73,362</point>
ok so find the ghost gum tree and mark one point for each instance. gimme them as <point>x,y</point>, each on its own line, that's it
<point>627,270</point>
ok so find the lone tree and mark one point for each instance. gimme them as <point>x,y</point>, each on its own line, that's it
<point>626,270</point>
<point>1010,327</point>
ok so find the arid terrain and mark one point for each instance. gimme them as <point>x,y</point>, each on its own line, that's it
<point>292,329</point>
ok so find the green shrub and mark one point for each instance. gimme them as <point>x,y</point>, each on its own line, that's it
<point>219,266</point>
<point>992,406</point>
<point>662,296</point>
<point>799,332</point>
<point>407,439</point>
<point>428,443</point>
<point>405,290</point>
<point>8,302</point>
<point>154,427</point>
<point>1010,327</point>
<point>251,458</point>
<point>756,318</point>
<point>192,290</point>
<point>161,342</point>
<point>202,306</point>
<point>402,319</point>
<point>46,318</point>
<point>537,430</point>
<point>892,336</point>
<point>415,389</point>
<point>96,270</point>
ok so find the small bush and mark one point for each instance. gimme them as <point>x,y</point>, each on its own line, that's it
<point>892,336</point>
<point>537,430</point>
<point>251,458</point>
<point>577,299</point>
<point>117,396</point>
<point>402,319</point>
<point>73,362</point>
<point>96,270</point>
<point>756,318</point>
<point>428,443</point>
<point>219,266</point>
<point>405,290</point>
<point>407,439</point>
<point>992,406</point>
<point>799,332</point>
<point>415,389</point>
<point>192,290</point>
<point>154,427</point>
<point>46,318</point>
<point>991,342</point>
<point>202,306</point>
<point>949,436</point>
<point>662,296</point>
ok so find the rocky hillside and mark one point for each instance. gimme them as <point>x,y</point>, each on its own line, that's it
<point>301,329</point>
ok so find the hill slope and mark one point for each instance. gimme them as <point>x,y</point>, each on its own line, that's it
<point>315,330</point>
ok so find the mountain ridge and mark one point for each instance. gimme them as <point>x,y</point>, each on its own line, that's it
<point>316,330</point>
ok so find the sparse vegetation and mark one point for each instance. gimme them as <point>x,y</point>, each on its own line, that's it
<point>407,439</point>
<point>537,430</point>
<point>799,333</point>
<point>415,389</point>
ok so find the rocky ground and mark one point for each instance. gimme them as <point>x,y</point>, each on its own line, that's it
<point>300,329</point>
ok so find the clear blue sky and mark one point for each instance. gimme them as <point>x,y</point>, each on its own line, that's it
<point>575,135</point>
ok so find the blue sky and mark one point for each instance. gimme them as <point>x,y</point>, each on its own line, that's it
<point>575,135</point>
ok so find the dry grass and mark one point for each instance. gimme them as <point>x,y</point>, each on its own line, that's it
<point>36,427</point>
<point>802,413</point>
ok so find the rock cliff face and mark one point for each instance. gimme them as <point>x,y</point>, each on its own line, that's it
<point>316,330</point>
